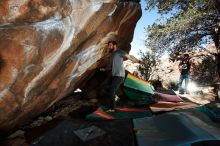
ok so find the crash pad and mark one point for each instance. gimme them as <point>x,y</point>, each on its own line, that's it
<point>82,133</point>
<point>212,110</point>
<point>166,91</point>
<point>207,143</point>
<point>120,113</point>
<point>167,97</point>
<point>163,106</point>
<point>137,89</point>
<point>174,129</point>
<point>139,95</point>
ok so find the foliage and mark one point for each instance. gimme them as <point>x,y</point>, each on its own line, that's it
<point>172,85</point>
<point>157,84</point>
<point>192,23</point>
<point>205,72</point>
<point>147,68</point>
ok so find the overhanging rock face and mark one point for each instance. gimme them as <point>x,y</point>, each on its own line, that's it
<point>48,48</point>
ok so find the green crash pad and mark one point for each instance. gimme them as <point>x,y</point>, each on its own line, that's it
<point>120,113</point>
<point>138,89</point>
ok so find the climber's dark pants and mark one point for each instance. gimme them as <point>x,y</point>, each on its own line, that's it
<point>113,88</point>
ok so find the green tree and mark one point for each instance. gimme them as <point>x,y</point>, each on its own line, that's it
<point>205,72</point>
<point>192,23</point>
<point>147,68</point>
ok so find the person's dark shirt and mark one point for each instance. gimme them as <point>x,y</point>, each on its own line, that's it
<point>185,67</point>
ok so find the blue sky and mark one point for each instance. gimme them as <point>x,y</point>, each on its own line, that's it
<point>140,35</point>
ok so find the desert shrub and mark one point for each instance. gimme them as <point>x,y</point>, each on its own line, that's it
<point>147,68</point>
<point>205,73</point>
<point>172,85</point>
<point>157,84</point>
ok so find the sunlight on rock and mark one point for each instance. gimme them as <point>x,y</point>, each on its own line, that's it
<point>77,90</point>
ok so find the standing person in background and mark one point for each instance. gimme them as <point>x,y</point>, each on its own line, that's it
<point>118,71</point>
<point>184,68</point>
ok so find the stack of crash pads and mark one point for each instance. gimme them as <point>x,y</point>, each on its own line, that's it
<point>164,100</point>
<point>138,89</point>
<point>163,106</point>
<point>158,101</point>
<point>167,95</point>
<point>168,100</point>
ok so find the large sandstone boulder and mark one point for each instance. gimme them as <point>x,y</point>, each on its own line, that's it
<point>48,48</point>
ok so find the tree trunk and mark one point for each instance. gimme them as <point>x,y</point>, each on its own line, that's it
<point>218,64</point>
<point>217,59</point>
<point>217,55</point>
<point>216,38</point>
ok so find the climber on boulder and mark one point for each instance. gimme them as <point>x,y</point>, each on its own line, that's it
<point>118,71</point>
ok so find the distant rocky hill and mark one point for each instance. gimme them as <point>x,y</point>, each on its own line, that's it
<point>167,69</point>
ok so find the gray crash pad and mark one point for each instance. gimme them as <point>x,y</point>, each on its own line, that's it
<point>175,128</point>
